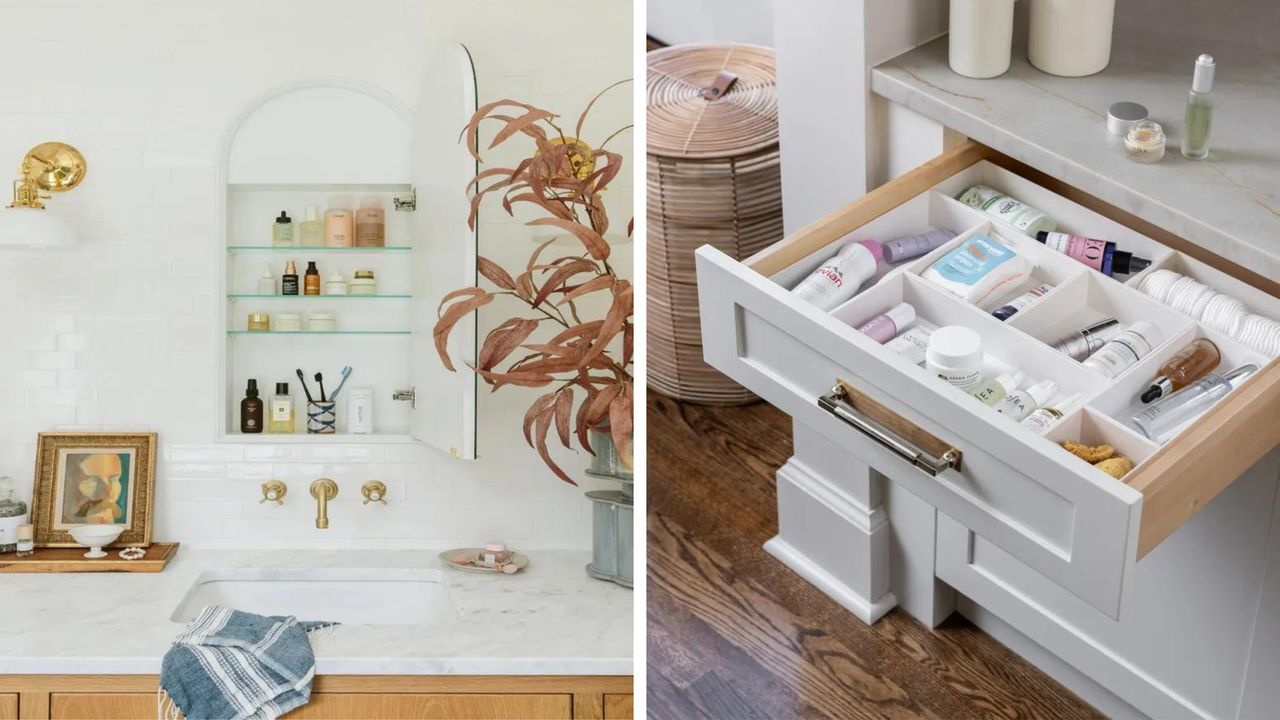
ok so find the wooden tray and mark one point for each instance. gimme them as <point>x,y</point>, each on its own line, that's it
<point>67,559</point>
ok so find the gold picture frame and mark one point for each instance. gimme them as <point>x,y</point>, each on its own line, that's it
<point>88,478</point>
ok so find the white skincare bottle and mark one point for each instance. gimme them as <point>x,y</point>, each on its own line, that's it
<point>955,355</point>
<point>267,283</point>
<point>839,278</point>
<point>1044,417</point>
<point>1018,405</point>
<point>1125,349</point>
<point>993,391</point>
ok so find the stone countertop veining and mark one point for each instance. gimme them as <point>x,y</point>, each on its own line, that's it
<point>550,619</point>
<point>1228,204</point>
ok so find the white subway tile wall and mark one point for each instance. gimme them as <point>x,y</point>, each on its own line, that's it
<point>121,333</point>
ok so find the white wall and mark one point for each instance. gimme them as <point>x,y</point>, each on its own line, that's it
<point>676,22</point>
<point>834,131</point>
<point>121,333</point>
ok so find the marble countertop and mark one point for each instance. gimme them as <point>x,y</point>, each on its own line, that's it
<point>1228,204</point>
<point>550,619</point>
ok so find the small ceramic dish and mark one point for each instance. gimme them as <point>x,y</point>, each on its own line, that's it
<point>519,561</point>
<point>95,537</point>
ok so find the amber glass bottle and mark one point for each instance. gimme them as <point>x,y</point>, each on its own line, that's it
<point>251,409</point>
<point>1189,365</point>
<point>311,281</point>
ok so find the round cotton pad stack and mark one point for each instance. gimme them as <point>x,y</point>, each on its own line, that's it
<point>1216,310</point>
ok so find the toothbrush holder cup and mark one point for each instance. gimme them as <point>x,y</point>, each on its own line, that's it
<point>322,418</point>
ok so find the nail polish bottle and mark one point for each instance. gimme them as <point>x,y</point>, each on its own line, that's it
<point>311,281</point>
<point>289,281</point>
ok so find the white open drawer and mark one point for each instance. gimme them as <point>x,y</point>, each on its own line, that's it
<point>1071,522</point>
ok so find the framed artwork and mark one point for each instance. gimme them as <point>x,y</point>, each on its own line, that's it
<point>94,478</point>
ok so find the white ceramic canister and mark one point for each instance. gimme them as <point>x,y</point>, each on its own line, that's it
<point>981,37</point>
<point>1071,38</point>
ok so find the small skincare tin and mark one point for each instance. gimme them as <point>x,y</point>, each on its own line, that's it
<point>322,322</point>
<point>259,322</point>
<point>1122,115</point>
<point>364,283</point>
<point>288,322</point>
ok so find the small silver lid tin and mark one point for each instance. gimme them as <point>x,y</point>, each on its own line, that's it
<point>1122,115</point>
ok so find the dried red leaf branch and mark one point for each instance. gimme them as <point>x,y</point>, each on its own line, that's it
<point>564,177</point>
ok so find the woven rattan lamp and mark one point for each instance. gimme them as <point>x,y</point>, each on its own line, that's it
<point>713,178</point>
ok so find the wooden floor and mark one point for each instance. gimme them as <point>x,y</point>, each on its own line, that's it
<point>734,634</point>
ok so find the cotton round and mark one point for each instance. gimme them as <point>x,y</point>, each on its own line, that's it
<point>1197,310</point>
<point>1157,284</point>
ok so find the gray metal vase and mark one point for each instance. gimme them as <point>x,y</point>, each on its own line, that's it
<point>613,515</point>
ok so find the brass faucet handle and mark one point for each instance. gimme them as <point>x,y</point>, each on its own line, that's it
<point>374,491</point>
<point>274,491</point>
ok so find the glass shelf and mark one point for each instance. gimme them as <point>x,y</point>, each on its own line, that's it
<point>255,296</point>
<point>318,332</point>
<point>315,248</point>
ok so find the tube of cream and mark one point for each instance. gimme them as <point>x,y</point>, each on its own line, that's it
<point>913,343</point>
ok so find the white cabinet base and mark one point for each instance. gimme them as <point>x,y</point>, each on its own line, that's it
<point>832,528</point>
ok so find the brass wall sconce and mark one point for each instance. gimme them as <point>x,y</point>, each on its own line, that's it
<point>50,167</point>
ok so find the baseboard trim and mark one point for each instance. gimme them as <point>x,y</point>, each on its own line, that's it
<point>866,609</point>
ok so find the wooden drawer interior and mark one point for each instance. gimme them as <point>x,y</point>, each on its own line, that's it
<point>1175,479</point>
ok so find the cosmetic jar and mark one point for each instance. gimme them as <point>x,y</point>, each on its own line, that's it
<point>259,322</point>
<point>288,322</point>
<point>955,355</point>
<point>363,283</point>
<point>322,322</point>
<point>1145,142</point>
<point>1123,115</point>
<point>335,285</point>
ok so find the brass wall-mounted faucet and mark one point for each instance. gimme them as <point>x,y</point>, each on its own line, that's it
<point>323,490</point>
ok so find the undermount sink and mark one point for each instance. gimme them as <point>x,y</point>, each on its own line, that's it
<point>356,596</point>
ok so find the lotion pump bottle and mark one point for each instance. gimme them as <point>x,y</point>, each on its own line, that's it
<point>1195,138</point>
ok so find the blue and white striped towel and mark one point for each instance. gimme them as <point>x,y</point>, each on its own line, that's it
<point>239,666</point>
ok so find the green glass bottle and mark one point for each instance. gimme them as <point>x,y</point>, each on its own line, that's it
<point>1195,139</point>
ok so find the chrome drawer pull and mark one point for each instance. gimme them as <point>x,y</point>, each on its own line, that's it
<point>837,404</point>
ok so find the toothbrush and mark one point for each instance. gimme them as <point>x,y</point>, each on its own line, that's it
<point>320,380</point>
<point>346,373</point>
<point>305,389</point>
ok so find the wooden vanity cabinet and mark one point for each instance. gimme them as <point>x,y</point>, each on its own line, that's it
<point>339,697</point>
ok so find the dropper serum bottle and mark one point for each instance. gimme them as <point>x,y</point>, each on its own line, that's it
<point>1195,138</point>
